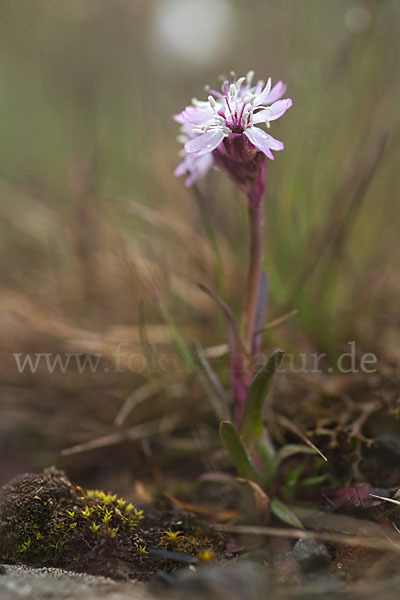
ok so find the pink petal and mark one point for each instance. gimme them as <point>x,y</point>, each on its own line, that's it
<point>198,168</point>
<point>261,98</point>
<point>181,169</point>
<point>263,141</point>
<point>194,167</point>
<point>204,143</point>
<point>196,116</point>
<point>273,112</point>
<point>178,118</point>
<point>259,87</point>
<point>277,92</point>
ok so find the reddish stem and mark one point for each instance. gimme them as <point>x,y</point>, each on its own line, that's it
<point>254,268</point>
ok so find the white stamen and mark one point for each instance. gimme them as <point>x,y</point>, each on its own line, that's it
<point>232,90</point>
<point>199,103</point>
<point>198,129</point>
<point>182,138</point>
<point>249,77</point>
<point>251,115</point>
<point>212,102</point>
<point>239,83</point>
<point>268,124</point>
<point>246,113</point>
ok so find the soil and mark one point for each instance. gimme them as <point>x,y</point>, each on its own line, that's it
<point>45,520</point>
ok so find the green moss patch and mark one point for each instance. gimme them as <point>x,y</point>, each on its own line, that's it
<point>45,520</point>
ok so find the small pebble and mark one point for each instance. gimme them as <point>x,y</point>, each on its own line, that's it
<point>160,582</point>
<point>391,443</point>
<point>311,555</point>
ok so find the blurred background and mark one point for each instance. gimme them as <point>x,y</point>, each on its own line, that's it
<point>102,247</point>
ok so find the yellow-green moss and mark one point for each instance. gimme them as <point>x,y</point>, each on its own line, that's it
<point>46,520</point>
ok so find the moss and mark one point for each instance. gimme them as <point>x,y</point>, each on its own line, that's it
<point>172,538</point>
<point>192,542</point>
<point>47,521</point>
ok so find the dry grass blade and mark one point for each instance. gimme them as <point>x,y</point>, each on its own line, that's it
<point>222,515</point>
<point>222,349</point>
<point>392,500</point>
<point>236,343</point>
<point>216,351</point>
<point>141,394</point>
<point>277,321</point>
<point>112,439</point>
<point>223,409</point>
<point>292,427</point>
<point>336,229</point>
<point>385,542</point>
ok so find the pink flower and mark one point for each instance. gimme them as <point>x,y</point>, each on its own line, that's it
<point>227,124</point>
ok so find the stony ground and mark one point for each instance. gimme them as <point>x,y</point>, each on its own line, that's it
<point>18,582</point>
<point>242,581</point>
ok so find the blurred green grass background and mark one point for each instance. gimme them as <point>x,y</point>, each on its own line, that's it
<point>92,213</point>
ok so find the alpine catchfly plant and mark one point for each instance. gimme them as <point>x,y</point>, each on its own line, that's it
<point>228,131</point>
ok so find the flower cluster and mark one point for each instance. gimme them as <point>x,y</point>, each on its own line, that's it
<point>223,131</point>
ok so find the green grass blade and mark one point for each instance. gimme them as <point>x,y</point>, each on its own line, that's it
<point>252,425</point>
<point>177,337</point>
<point>212,240</point>
<point>286,452</point>
<point>292,449</point>
<point>314,481</point>
<point>146,345</point>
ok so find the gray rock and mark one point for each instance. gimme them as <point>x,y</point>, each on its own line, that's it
<point>311,555</point>
<point>20,582</point>
<point>239,580</point>
<point>391,443</point>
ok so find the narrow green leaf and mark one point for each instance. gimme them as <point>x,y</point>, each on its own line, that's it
<point>292,479</point>
<point>284,513</point>
<point>311,481</point>
<point>252,425</point>
<point>291,450</point>
<point>284,453</point>
<point>265,452</point>
<point>233,443</point>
